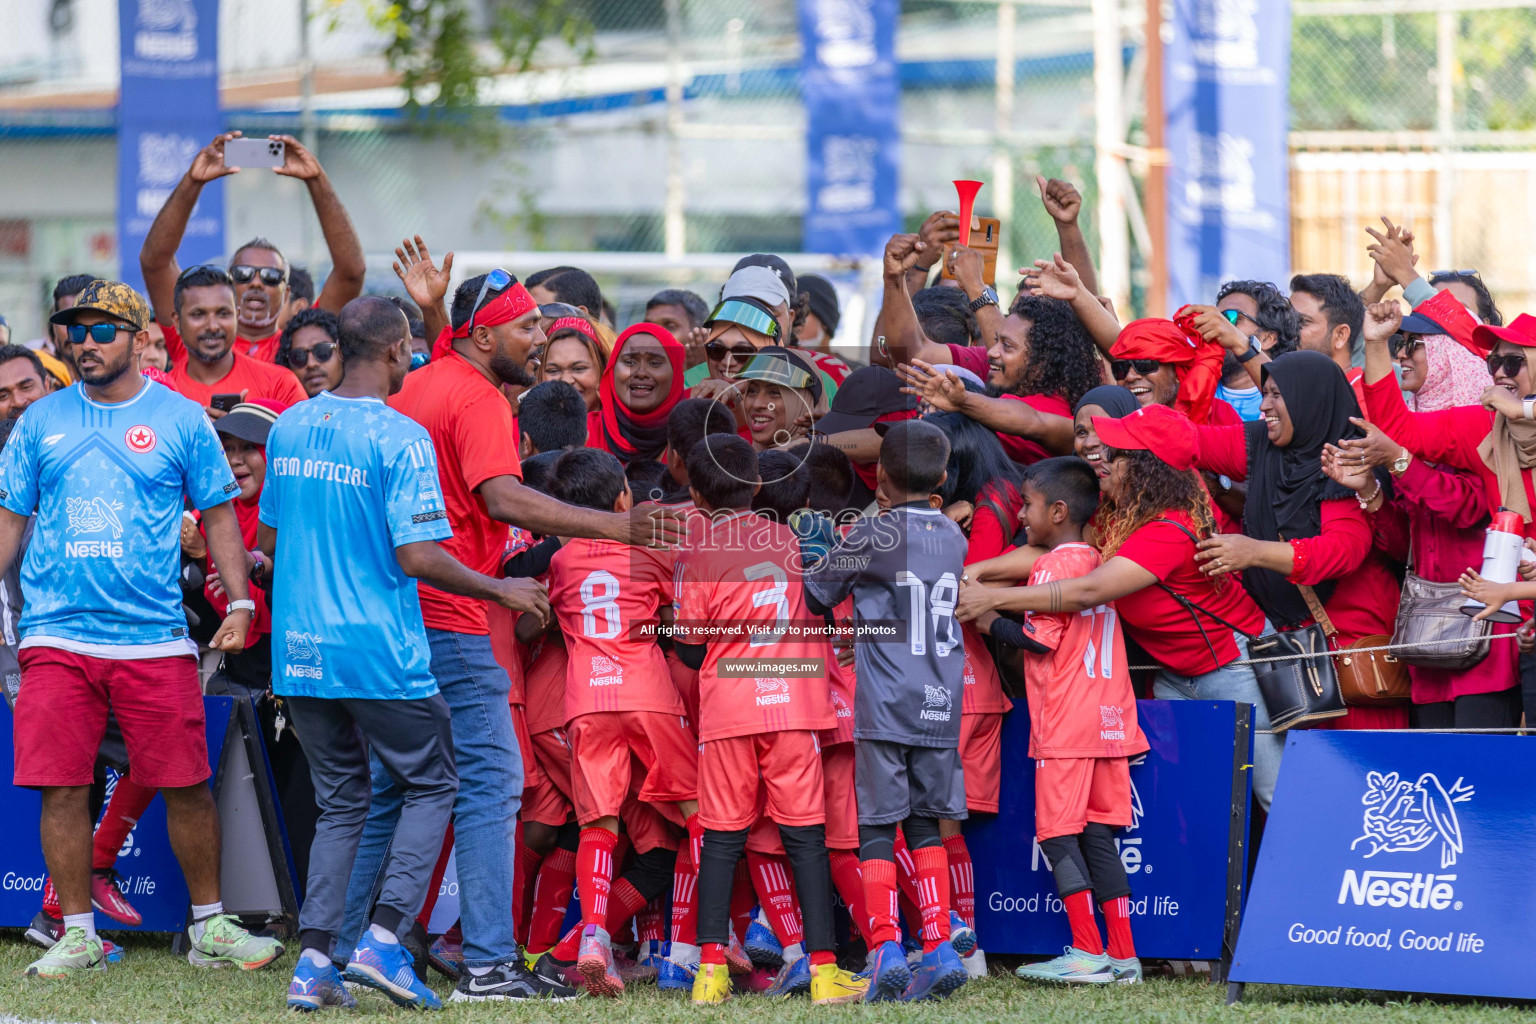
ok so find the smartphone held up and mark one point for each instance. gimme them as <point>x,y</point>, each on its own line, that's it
<point>254,153</point>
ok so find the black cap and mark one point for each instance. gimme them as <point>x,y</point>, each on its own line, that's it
<point>1418,323</point>
<point>773,263</point>
<point>823,300</point>
<point>867,394</point>
<point>248,421</point>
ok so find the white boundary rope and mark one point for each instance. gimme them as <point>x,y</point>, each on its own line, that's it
<point>1334,653</point>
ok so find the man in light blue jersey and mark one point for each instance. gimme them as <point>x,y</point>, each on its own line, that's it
<point>107,466</point>
<point>351,516</point>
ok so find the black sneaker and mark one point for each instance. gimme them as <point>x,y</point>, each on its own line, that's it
<point>45,930</point>
<point>510,981</point>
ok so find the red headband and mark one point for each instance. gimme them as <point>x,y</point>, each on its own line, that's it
<point>512,303</point>
<point>576,324</point>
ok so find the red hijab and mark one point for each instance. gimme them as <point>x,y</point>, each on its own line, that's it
<point>627,434</point>
<point>1196,362</point>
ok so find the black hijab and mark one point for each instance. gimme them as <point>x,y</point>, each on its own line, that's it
<point>1116,401</point>
<point>1286,486</point>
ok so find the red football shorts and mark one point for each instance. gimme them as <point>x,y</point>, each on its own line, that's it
<point>981,758</point>
<point>786,765</point>
<point>1072,791</point>
<point>651,754</point>
<point>531,776</point>
<point>61,717</point>
<point>842,802</point>
<point>547,791</point>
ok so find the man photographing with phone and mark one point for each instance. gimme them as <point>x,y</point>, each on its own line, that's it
<point>258,270</point>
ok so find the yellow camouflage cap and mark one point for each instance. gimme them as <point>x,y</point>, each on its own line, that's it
<point>112,298</point>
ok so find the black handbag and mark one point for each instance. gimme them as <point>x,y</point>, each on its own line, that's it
<point>1432,611</point>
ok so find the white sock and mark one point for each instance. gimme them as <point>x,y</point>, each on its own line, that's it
<point>86,920</point>
<point>683,953</point>
<point>384,935</point>
<point>317,958</point>
<point>201,912</point>
<point>794,951</point>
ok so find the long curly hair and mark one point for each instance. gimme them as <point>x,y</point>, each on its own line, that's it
<point>1062,357</point>
<point>1153,487</point>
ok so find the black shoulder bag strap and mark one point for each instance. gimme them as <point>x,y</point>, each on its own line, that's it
<point>1195,610</point>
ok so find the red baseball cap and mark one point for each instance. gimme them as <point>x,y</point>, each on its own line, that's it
<point>1158,429</point>
<point>1521,330</point>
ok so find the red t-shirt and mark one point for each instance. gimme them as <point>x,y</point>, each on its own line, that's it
<point>740,592</point>
<point>1160,624</point>
<point>1022,449</point>
<point>544,687</point>
<point>841,683</point>
<point>258,379</point>
<point>1080,699</point>
<point>971,357</point>
<point>606,596</point>
<point>470,422</point>
<point>263,350</point>
<point>983,686</point>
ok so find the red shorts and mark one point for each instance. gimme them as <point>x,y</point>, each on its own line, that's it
<point>61,717</point>
<point>842,802</point>
<point>786,765</point>
<point>531,774</point>
<point>548,799</point>
<point>981,758</point>
<point>615,754</point>
<point>651,826</point>
<point>1072,791</point>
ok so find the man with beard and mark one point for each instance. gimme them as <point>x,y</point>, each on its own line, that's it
<point>458,399</point>
<point>204,301</point>
<point>259,271</point>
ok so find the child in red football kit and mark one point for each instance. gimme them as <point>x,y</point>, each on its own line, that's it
<point>1082,730</point>
<point>632,748</point>
<point>741,600</point>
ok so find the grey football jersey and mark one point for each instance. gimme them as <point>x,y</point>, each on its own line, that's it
<point>903,569</point>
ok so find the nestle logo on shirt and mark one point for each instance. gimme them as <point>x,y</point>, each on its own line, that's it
<point>93,549</point>
<point>428,517</point>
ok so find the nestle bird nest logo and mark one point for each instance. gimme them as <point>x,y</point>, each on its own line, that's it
<point>1406,817</point>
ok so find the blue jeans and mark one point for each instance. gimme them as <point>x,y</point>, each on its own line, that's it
<point>1235,683</point>
<point>484,813</point>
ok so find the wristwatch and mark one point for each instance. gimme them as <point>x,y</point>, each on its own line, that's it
<point>988,297</point>
<point>1400,464</point>
<point>246,605</point>
<point>1528,406</point>
<point>1254,348</point>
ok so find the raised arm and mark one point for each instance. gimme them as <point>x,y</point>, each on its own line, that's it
<point>947,393</point>
<point>1063,203</point>
<point>157,257</point>
<point>1057,278</point>
<point>345,281</point>
<point>904,338</point>
<point>1214,326</point>
<point>425,283</point>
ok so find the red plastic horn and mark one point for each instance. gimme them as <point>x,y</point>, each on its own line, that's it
<point>967,191</point>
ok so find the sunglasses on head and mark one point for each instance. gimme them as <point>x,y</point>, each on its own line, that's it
<point>204,268</point>
<point>101,334</point>
<point>270,276</point>
<point>298,358</point>
<point>750,314</point>
<point>499,280</point>
<point>718,350</point>
<point>1508,364</point>
<point>1404,344</point>
<point>1120,368</point>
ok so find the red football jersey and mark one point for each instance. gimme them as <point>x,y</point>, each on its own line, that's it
<point>605,596</point>
<point>544,686</point>
<point>1080,699</point>
<point>504,646</point>
<point>983,686</point>
<point>740,592</point>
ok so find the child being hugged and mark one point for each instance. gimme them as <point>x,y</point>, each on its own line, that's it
<point>1082,730</point>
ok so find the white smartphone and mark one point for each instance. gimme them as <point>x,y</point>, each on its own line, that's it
<point>253,153</point>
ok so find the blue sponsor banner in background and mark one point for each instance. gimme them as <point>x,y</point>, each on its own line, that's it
<point>1226,75</point>
<point>148,872</point>
<point>1175,852</point>
<point>1397,861</point>
<point>852,96</point>
<point>168,110</point>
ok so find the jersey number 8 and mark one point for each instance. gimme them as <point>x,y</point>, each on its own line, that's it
<point>599,596</point>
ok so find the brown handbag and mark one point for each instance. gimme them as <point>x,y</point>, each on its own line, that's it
<point>1373,679</point>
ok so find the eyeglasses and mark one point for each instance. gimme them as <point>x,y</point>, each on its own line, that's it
<point>101,334</point>
<point>718,350</point>
<point>204,268</point>
<point>298,358</point>
<point>498,279</point>
<point>1508,365</point>
<point>750,315</point>
<point>1119,368</point>
<point>270,276</point>
<point>1404,344</point>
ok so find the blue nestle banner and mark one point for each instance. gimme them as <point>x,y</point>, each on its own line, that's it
<point>148,872</point>
<point>852,96</point>
<point>1175,853</point>
<point>1226,75</point>
<point>1397,861</point>
<point>168,110</point>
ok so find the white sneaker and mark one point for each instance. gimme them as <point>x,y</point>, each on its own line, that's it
<point>976,963</point>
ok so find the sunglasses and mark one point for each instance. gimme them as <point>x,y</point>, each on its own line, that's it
<point>270,276</point>
<point>776,369</point>
<point>498,279</point>
<point>298,358</point>
<point>1404,345</point>
<point>1453,273</point>
<point>718,350</point>
<point>1509,365</point>
<point>1120,368</point>
<point>745,314</point>
<point>101,334</point>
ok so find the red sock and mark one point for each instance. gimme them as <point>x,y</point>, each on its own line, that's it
<point>712,953</point>
<point>770,877</point>
<point>849,882</point>
<point>695,829</point>
<point>1117,920</point>
<point>685,899</point>
<point>551,897</point>
<point>128,803</point>
<point>962,879</point>
<point>906,871</point>
<point>742,899</point>
<point>648,922</point>
<point>932,865</point>
<point>438,871</point>
<point>527,878</point>
<point>594,873</point>
<point>624,903</point>
<point>569,944</point>
<point>880,899</point>
<point>823,956</point>
<point>1085,930</point>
